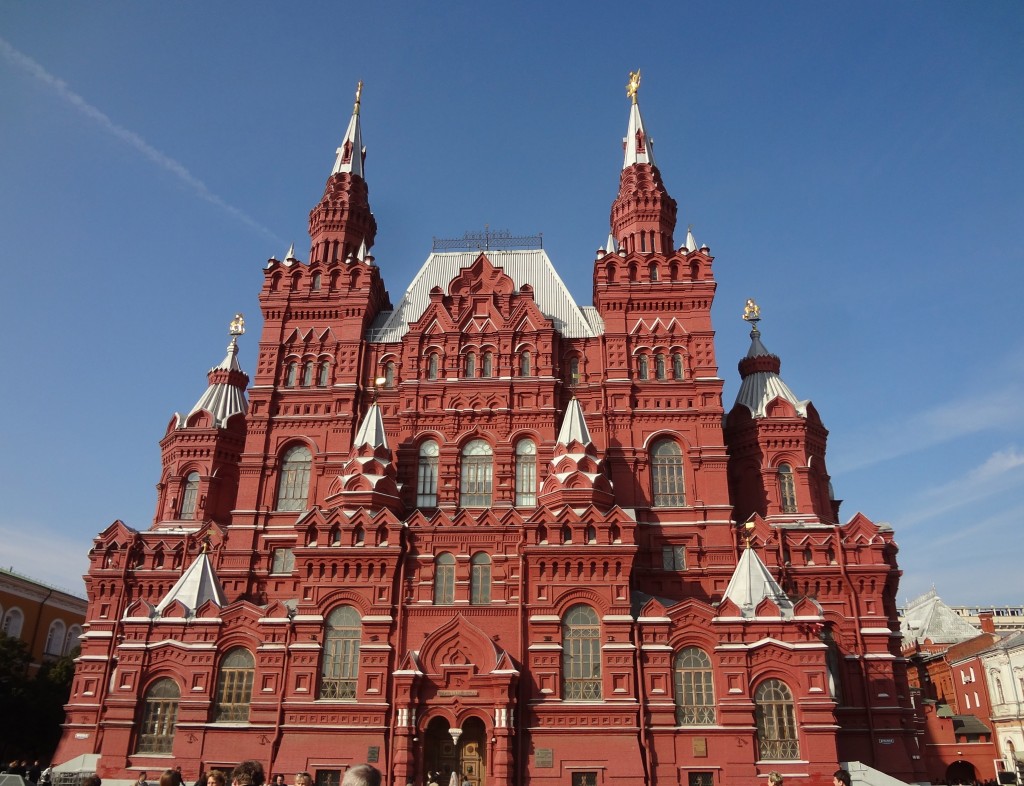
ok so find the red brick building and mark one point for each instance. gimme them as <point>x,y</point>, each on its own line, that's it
<point>489,529</point>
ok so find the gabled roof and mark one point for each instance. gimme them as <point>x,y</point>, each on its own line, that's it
<point>197,585</point>
<point>751,583</point>
<point>928,618</point>
<point>531,267</point>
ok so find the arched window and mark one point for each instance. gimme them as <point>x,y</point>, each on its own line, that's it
<point>471,364</point>
<point>652,269</point>
<point>695,693</point>
<point>293,487</point>
<point>444,580</point>
<point>159,714</point>
<point>677,366</point>
<point>341,654</point>
<point>480,579</point>
<point>667,474</point>
<point>55,639</point>
<point>581,655</point>
<point>389,374</point>
<point>189,496</point>
<point>488,364</point>
<point>477,475</point>
<point>433,364</point>
<point>13,620</point>
<point>642,370</point>
<point>659,366</point>
<point>776,721</point>
<point>307,374</point>
<point>526,473</point>
<point>426,475</point>
<point>289,378</point>
<point>234,686</point>
<point>324,374</point>
<point>524,363</point>
<point>74,639</point>
<point>787,489</point>
<point>574,371</point>
<point>315,286</point>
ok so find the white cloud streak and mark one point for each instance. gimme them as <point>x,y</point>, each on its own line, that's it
<point>133,140</point>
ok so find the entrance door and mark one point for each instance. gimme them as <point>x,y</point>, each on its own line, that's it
<point>467,759</point>
<point>472,752</point>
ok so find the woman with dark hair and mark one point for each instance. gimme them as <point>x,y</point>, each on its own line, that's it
<point>216,778</point>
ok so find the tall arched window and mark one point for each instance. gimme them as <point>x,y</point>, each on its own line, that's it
<point>159,714</point>
<point>574,371</point>
<point>315,285</point>
<point>524,363</point>
<point>471,365</point>
<point>667,474</point>
<point>293,486</point>
<point>480,579</point>
<point>289,377</point>
<point>324,374</point>
<point>776,721</point>
<point>659,366</point>
<point>581,654</point>
<point>74,639</point>
<point>55,639</point>
<point>341,654</point>
<point>189,496</point>
<point>488,364</point>
<point>234,686</point>
<point>307,374</point>
<point>433,365</point>
<point>695,694</point>
<point>444,580</point>
<point>13,620</point>
<point>677,366</point>
<point>526,473</point>
<point>642,368</point>
<point>477,475</point>
<point>787,489</point>
<point>389,374</point>
<point>426,475</point>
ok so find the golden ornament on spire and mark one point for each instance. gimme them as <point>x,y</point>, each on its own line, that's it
<point>751,311</point>
<point>237,327</point>
<point>359,93</point>
<point>634,84</point>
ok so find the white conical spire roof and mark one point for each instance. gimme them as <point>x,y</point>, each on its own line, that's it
<point>691,243</point>
<point>371,430</point>
<point>197,585</point>
<point>639,147</point>
<point>222,399</point>
<point>350,154</point>
<point>752,582</point>
<point>611,245</point>
<point>574,425</point>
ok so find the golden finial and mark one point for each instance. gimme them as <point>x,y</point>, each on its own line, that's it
<point>237,327</point>
<point>359,93</point>
<point>752,312</point>
<point>748,532</point>
<point>634,84</point>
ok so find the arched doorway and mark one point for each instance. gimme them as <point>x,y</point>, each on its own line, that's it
<point>960,772</point>
<point>464,753</point>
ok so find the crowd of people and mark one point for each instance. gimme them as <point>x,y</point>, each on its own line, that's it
<point>34,772</point>
<point>250,773</point>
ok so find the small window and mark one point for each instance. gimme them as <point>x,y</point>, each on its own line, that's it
<point>673,558</point>
<point>55,639</point>
<point>433,365</point>
<point>389,374</point>
<point>284,562</point>
<point>307,374</point>
<point>189,496</point>
<point>677,366</point>
<point>642,368</point>
<point>234,686</point>
<point>316,282</point>
<point>74,639</point>
<point>289,378</point>
<point>488,364</point>
<point>13,621</point>
<point>574,371</point>
<point>324,374</point>
<point>584,778</point>
<point>787,489</point>
<point>471,365</point>
<point>524,363</point>
<point>426,475</point>
<point>659,366</point>
<point>526,473</point>
<point>444,580</point>
<point>480,579</point>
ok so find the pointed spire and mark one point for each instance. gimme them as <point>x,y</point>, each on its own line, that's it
<point>760,372</point>
<point>351,152</point>
<point>196,586</point>
<point>291,252</point>
<point>574,425</point>
<point>371,430</point>
<point>362,252</point>
<point>752,582</point>
<point>638,146</point>
<point>225,394</point>
<point>611,246</point>
<point>691,243</point>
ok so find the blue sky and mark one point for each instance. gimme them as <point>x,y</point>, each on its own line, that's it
<point>855,167</point>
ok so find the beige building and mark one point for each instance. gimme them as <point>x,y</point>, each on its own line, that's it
<point>48,619</point>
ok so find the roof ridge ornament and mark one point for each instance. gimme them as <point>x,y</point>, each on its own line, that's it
<point>634,84</point>
<point>359,94</point>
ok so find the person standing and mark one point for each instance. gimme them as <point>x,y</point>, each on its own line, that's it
<point>361,775</point>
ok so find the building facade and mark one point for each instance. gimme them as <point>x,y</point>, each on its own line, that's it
<point>48,619</point>
<point>490,530</point>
